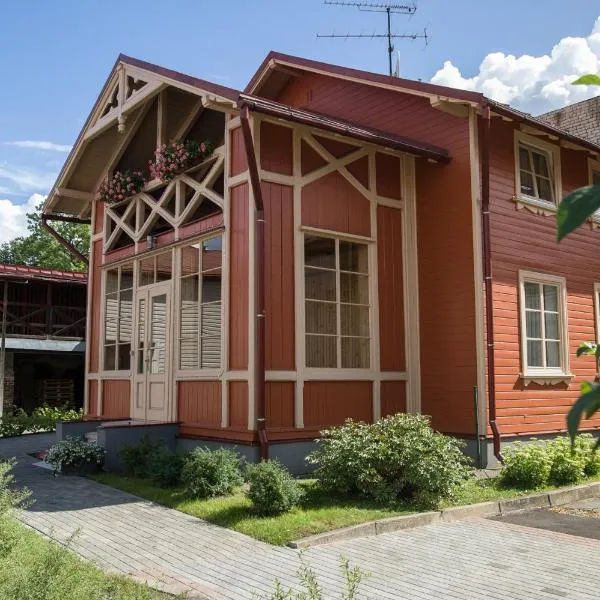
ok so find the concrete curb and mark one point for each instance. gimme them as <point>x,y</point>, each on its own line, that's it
<point>450,515</point>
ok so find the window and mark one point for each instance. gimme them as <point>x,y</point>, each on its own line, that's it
<point>543,324</point>
<point>155,269</point>
<point>336,286</point>
<point>200,305</point>
<point>118,317</point>
<point>535,173</point>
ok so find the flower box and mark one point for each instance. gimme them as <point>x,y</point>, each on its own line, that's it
<point>172,159</point>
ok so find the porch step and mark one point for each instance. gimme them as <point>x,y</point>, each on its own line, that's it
<point>91,436</point>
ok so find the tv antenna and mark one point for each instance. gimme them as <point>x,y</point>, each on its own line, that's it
<point>389,9</point>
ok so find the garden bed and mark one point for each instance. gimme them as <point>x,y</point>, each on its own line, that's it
<point>319,512</point>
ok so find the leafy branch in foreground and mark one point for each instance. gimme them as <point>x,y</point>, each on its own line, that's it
<point>573,211</point>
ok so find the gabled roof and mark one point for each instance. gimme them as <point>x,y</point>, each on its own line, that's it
<point>37,273</point>
<point>581,119</point>
<point>346,128</point>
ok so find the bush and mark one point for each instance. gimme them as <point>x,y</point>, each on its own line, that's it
<point>209,473</point>
<point>43,418</point>
<point>135,458</point>
<point>399,456</point>
<point>74,452</point>
<point>526,466</point>
<point>272,489</point>
<point>10,497</point>
<point>568,462</point>
<point>164,467</point>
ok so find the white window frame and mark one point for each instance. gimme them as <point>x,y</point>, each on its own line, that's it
<point>350,372</point>
<point>552,152</point>
<point>545,375</point>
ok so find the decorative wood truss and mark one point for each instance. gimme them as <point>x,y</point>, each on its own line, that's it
<point>171,206</point>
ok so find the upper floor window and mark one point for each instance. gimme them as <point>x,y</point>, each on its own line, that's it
<point>594,172</point>
<point>337,308</point>
<point>538,181</point>
<point>200,305</point>
<point>544,340</point>
<point>118,317</point>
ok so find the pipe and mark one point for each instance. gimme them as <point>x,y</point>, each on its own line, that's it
<point>259,250</point>
<point>60,239</point>
<point>485,120</point>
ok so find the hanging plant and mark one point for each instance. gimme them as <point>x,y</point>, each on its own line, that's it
<point>121,185</point>
<point>170,159</point>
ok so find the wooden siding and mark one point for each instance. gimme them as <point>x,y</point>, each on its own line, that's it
<point>199,404</point>
<point>391,289</point>
<point>238,153</point>
<point>92,398</point>
<point>116,399</point>
<point>388,175</point>
<point>238,404</point>
<point>393,397</point>
<point>276,152</point>
<point>279,275</point>
<point>95,289</point>
<point>239,258</point>
<point>525,241</point>
<point>279,404</point>
<point>444,232</point>
<point>333,203</point>
<point>329,403</point>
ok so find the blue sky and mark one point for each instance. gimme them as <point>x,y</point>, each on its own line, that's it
<point>57,55</point>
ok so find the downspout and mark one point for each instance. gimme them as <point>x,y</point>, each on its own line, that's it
<point>487,277</point>
<point>60,239</point>
<point>259,251</point>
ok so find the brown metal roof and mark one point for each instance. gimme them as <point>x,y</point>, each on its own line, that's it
<point>346,128</point>
<point>26,272</point>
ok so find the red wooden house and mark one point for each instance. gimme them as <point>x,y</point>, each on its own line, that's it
<point>355,246</point>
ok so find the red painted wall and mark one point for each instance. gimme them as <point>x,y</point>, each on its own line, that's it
<point>116,400</point>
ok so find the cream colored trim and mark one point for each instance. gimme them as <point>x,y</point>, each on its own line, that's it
<point>281,375</point>
<point>375,341</point>
<point>545,375</point>
<point>337,236</point>
<point>91,276</point>
<point>393,376</point>
<point>478,270</point>
<point>411,285</point>
<point>93,376</point>
<point>553,152</point>
<point>236,375</point>
<point>271,177</point>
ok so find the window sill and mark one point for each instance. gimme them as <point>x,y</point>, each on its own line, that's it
<point>546,378</point>
<point>538,207</point>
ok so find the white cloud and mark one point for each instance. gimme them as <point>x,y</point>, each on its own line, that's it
<point>25,179</point>
<point>13,217</point>
<point>534,84</point>
<point>40,145</point>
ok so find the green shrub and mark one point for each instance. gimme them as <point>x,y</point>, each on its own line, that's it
<point>526,466</point>
<point>75,452</point>
<point>136,458</point>
<point>399,456</point>
<point>272,489</point>
<point>43,418</point>
<point>568,461</point>
<point>207,473</point>
<point>587,445</point>
<point>164,467</point>
<point>10,497</point>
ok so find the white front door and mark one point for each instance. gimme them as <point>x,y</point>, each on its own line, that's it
<point>152,353</point>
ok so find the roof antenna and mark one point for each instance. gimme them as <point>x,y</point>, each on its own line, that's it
<point>397,66</point>
<point>389,9</point>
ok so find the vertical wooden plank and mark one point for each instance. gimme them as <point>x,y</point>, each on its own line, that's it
<point>393,397</point>
<point>238,404</point>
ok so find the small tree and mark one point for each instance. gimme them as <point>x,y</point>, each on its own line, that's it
<point>573,211</point>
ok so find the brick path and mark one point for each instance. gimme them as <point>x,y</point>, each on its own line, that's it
<point>477,559</point>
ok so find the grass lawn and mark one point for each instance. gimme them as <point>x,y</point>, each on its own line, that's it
<point>34,568</point>
<point>319,511</point>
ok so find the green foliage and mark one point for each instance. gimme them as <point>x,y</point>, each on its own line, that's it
<point>208,473</point>
<point>10,497</point>
<point>353,577</point>
<point>153,460</point>
<point>273,490</point>
<point>75,452</point>
<point>526,466</point>
<point>43,418</point>
<point>398,457</point>
<point>557,461</point>
<point>39,249</point>
<point>34,568</point>
<point>588,80</point>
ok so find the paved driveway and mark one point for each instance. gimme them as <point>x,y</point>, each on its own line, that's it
<point>476,559</point>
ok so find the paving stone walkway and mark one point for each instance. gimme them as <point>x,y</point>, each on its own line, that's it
<point>478,559</point>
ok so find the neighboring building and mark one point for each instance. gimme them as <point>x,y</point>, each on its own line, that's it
<point>45,332</point>
<point>581,119</point>
<point>410,258</point>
